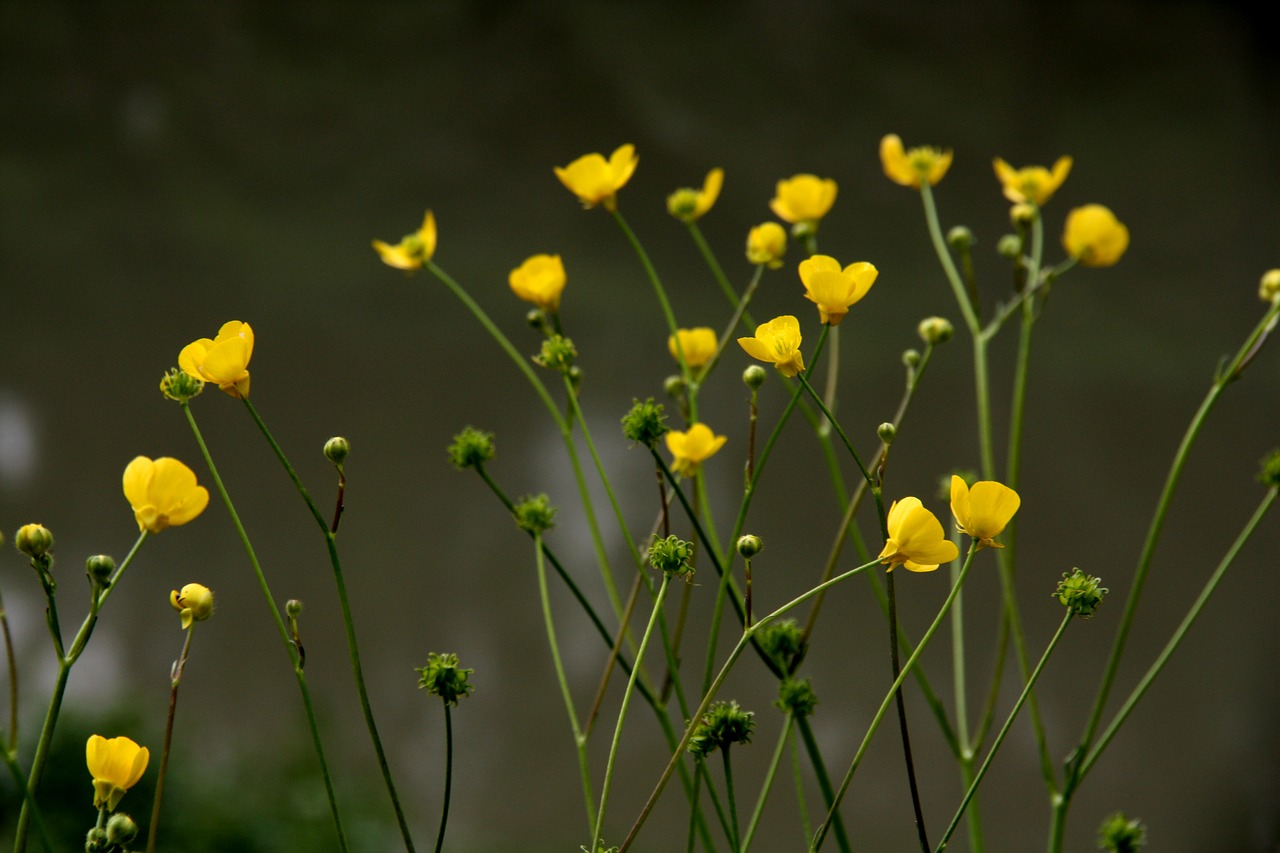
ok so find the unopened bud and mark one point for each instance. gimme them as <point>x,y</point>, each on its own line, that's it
<point>34,540</point>
<point>1009,246</point>
<point>99,568</point>
<point>292,608</point>
<point>887,432</point>
<point>960,238</point>
<point>749,546</point>
<point>336,449</point>
<point>673,386</point>
<point>754,376</point>
<point>1269,289</point>
<point>1022,214</point>
<point>121,829</point>
<point>910,358</point>
<point>935,330</point>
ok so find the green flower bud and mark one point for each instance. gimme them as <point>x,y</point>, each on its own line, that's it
<point>671,556</point>
<point>796,696</point>
<point>960,238</point>
<point>95,841</point>
<point>99,569</point>
<point>536,319</point>
<point>575,376</point>
<point>471,448</point>
<point>1269,471</point>
<point>749,546</point>
<point>336,450</point>
<point>1119,834</point>
<point>1021,215</point>
<point>535,514</point>
<point>180,386</point>
<point>558,353</point>
<point>724,724</point>
<point>34,540</point>
<point>444,678</point>
<point>911,358</point>
<point>121,829</point>
<point>780,639</point>
<point>1009,246</point>
<point>673,387</point>
<point>754,376</point>
<point>1269,288</point>
<point>644,423</point>
<point>1080,593</point>
<point>292,608</point>
<point>887,432</point>
<point>935,330</point>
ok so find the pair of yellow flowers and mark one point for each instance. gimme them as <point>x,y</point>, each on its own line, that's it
<point>916,538</point>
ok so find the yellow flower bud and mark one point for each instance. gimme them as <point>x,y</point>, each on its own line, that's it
<point>194,603</point>
<point>1269,288</point>
<point>1094,236</point>
<point>34,540</point>
<point>803,199</point>
<point>698,345</point>
<point>539,280</point>
<point>690,449</point>
<point>766,244</point>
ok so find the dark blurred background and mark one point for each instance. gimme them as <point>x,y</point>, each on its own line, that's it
<point>167,167</point>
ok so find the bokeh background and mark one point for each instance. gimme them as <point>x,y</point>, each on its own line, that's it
<point>166,167</point>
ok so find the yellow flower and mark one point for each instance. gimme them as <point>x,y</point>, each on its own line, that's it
<point>414,250</point>
<point>595,180</point>
<point>1034,184</point>
<point>832,289</point>
<point>689,204</point>
<point>914,166</point>
<point>698,345</point>
<point>540,280</point>
<point>194,603</point>
<point>984,510</point>
<point>1094,236</point>
<point>690,449</point>
<point>777,342</point>
<point>916,539</point>
<point>803,198</point>
<point>163,493</point>
<point>116,765</point>
<point>224,360</point>
<point>766,244</point>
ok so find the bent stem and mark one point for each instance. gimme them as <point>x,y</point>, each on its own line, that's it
<point>175,679</point>
<point>448,775</point>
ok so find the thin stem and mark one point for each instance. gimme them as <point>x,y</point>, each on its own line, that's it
<point>824,783</point>
<point>716,270</point>
<point>735,836</point>
<point>831,419</point>
<point>900,703</point>
<point>767,786</point>
<point>12,666</point>
<point>448,775</point>
<point>175,679</point>
<point>42,834</point>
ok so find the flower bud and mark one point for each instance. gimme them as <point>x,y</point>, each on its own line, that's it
<point>95,841</point>
<point>34,540</point>
<point>1009,246</point>
<point>444,678</point>
<point>754,376</point>
<point>574,375</point>
<point>749,546</point>
<point>1021,215</point>
<point>960,238</point>
<point>910,358</point>
<point>1269,470</point>
<point>121,829</point>
<point>471,448</point>
<point>194,603</point>
<point>673,386</point>
<point>535,514</point>
<point>887,432</point>
<point>99,569</point>
<point>671,556</point>
<point>336,449</point>
<point>1080,593</point>
<point>644,423</point>
<point>180,386</point>
<point>935,330</point>
<point>536,319</point>
<point>293,608</point>
<point>766,244</point>
<point>1269,288</point>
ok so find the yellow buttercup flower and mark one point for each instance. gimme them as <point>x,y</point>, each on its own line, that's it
<point>1031,184</point>
<point>698,345</point>
<point>116,765</point>
<point>777,342</point>
<point>766,244</point>
<point>983,510</point>
<point>1094,236</point>
<point>414,250</point>
<point>163,493</point>
<point>690,449</point>
<point>803,198</point>
<point>834,289</point>
<point>913,166</point>
<point>194,603</point>
<point>540,280</point>
<point>595,180</point>
<point>916,539</point>
<point>224,360</point>
<point>689,204</point>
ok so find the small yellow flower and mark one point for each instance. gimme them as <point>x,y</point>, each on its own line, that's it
<point>1033,184</point>
<point>540,280</point>
<point>194,603</point>
<point>414,250</point>
<point>1094,236</point>
<point>914,166</point>
<point>163,493</point>
<point>116,765</point>
<point>832,289</point>
<point>698,345</point>
<point>766,244</point>
<point>1269,286</point>
<point>803,198</point>
<point>224,360</point>
<point>690,449</point>
<point>777,342</point>
<point>916,539</point>
<point>983,510</point>
<point>595,180</point>
<point>689,204</point>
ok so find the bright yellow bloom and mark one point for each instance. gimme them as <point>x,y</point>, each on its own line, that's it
<point>689,204</point>
<point>116,765</point>
<point>194,603</point>
<point>1094,236</point>
<point>1033,184</point>
<point>916,539</point>
<point>540,280</point>
<point>698,345</point>
<point>690,449</point>
<point>163,493</point>
<point>984,510</point>
<point>596,180</point>
<point>803,198</point>
<point>914,166</point>
<point>777,342</point>
<point>766,244</point>
<point>832,289</point>
<point>414,250</point>
<point>224,360</point>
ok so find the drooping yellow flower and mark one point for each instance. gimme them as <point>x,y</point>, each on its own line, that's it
<point>194,603</point>
<point>916,539</point>
<point>913,166</point>
<point>595,180</point>
<point>413,250</point>
<point>116,765</point>
<point>163,493</point>
<point>777,342</point>
<point>1094,236</point>
<point>224,360</point>
<point>983,510</point>
<point>803,198</point>
<point>540,280</point>
<point>690,449</point>
<point>1032,184</point>
<point>766,244</point>
<point>698,345</point>
<point>834,289</point>
<point>689,204</point>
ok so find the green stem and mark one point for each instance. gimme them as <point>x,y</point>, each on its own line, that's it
<point>735,836</point>
<point>175,680</point>
<point>658,290</point>
<point>824,782</point>
<point>716,270</point>
<point>42,834</point>
<point>900,703</point>
<point>448,775</point>
<point>12,666</point>
<point>783,737</point>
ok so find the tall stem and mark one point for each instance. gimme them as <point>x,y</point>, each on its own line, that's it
<point>448,775</point>
<point>175,680</point>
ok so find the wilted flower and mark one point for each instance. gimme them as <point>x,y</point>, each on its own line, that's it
<point>777,342</point>
<point>540,280</point>
<point>1034,184</point>
<point>163,493</point>
<point>1094,236</point>
<point>803,198</point>
<point>916,539</point>
<point>116,765</point>
<point>224,360</point>
<point>914,166</point>
<point>766,244</point>
<point>692,448</point>
<point>698,345</point>
<point>595,180</point>
<point>444,678</point>
<point>983,510</point>
<point>413,250</point>
<point>834,289</point>
<point>689,204</point>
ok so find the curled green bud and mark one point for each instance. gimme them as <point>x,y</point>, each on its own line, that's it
<point>724,724</point>
<point>644,423</point>
<point>671,556</point>
<point>1269,287</point>
<point>911,358</point>
<point>121,829</point>
<point>1009,246</point>
<point>887,432</point>
<point>471,448</point>
<point>780,639</point>
<point>180,386</point>
<point>293,608</point>
<point>99,569</point>
<point>935,330</point>
<point>754,376</point>
<point>673,387</point>
<point>749,545</point>
<point>535,514</point>
<point>1269,469</point>
<point>558,353</point>
<point>1080,593</point>
<point>336,450</point>
<point>1021,215</point>
<point>444,678</point>
<point>1119,834</point>
<point>796,696</point>
<point>960,238</point>
<point>34,540</point>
